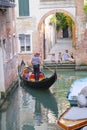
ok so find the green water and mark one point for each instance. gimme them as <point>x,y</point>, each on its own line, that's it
<point>30,109</point>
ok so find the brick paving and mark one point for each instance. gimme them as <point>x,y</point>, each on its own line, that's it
<point>60,46</point>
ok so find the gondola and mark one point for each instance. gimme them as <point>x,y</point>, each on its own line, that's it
<point>73,118</point>
<point>45,83</point>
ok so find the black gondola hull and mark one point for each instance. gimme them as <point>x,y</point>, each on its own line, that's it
<point>43,84</point>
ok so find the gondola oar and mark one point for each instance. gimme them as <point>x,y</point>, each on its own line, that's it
<point>51,70</point>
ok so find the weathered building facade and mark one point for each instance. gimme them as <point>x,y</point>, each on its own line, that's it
<point>25,29</point>
<point>8,49</point>
<point>34,33</point>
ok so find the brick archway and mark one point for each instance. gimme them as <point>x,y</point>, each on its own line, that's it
<point>40,38</point>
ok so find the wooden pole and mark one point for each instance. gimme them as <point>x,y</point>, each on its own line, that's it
<point>44,39</point>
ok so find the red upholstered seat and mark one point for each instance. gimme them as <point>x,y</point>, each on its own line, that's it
<point>41,77</point>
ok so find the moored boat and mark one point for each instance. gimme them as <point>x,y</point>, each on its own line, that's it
<point>43,83</point>
<point>75,89</point>
<point>73,118</point>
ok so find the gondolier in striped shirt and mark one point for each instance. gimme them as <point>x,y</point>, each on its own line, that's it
<point>36,65</point>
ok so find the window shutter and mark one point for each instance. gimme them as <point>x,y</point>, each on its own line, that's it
<point>23,7</point>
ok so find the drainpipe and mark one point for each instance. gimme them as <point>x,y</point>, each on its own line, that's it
<point>44,39</point>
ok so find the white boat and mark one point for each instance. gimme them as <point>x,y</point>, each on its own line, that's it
<point>75,89</point>
<point>73,118</point>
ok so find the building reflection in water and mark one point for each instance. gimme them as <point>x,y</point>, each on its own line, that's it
<point>29,110</point>
<point>38,109</point>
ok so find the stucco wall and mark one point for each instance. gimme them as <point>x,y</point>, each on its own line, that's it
<point>38,10</point>
<point>8,49</point>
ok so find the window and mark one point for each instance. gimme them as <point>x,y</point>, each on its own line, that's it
<point>25,42</point>
<point>23,7</point>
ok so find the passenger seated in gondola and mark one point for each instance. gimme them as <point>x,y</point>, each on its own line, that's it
<point>29,75</point>
<point>26,73</point>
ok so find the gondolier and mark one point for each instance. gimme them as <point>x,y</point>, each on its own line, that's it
<point>36,65</point>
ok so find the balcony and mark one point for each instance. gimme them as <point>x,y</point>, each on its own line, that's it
<point>7,4</point>
<point>57,3</point>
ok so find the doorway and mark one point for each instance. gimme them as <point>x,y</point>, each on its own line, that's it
<point>65,32</point>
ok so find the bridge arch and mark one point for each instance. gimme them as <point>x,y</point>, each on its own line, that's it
<point>56,11</point>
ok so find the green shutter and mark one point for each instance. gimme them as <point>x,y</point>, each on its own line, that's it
<point>23,7</point>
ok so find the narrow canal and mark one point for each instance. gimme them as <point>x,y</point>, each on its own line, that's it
<point>29,109</point>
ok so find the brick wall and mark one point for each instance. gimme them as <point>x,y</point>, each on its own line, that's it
<point>81,47</point>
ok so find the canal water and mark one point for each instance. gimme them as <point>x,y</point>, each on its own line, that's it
<point>29,109</point>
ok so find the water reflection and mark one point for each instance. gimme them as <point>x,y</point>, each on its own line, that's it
<point>45,108</point>
<point>28,109</point>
